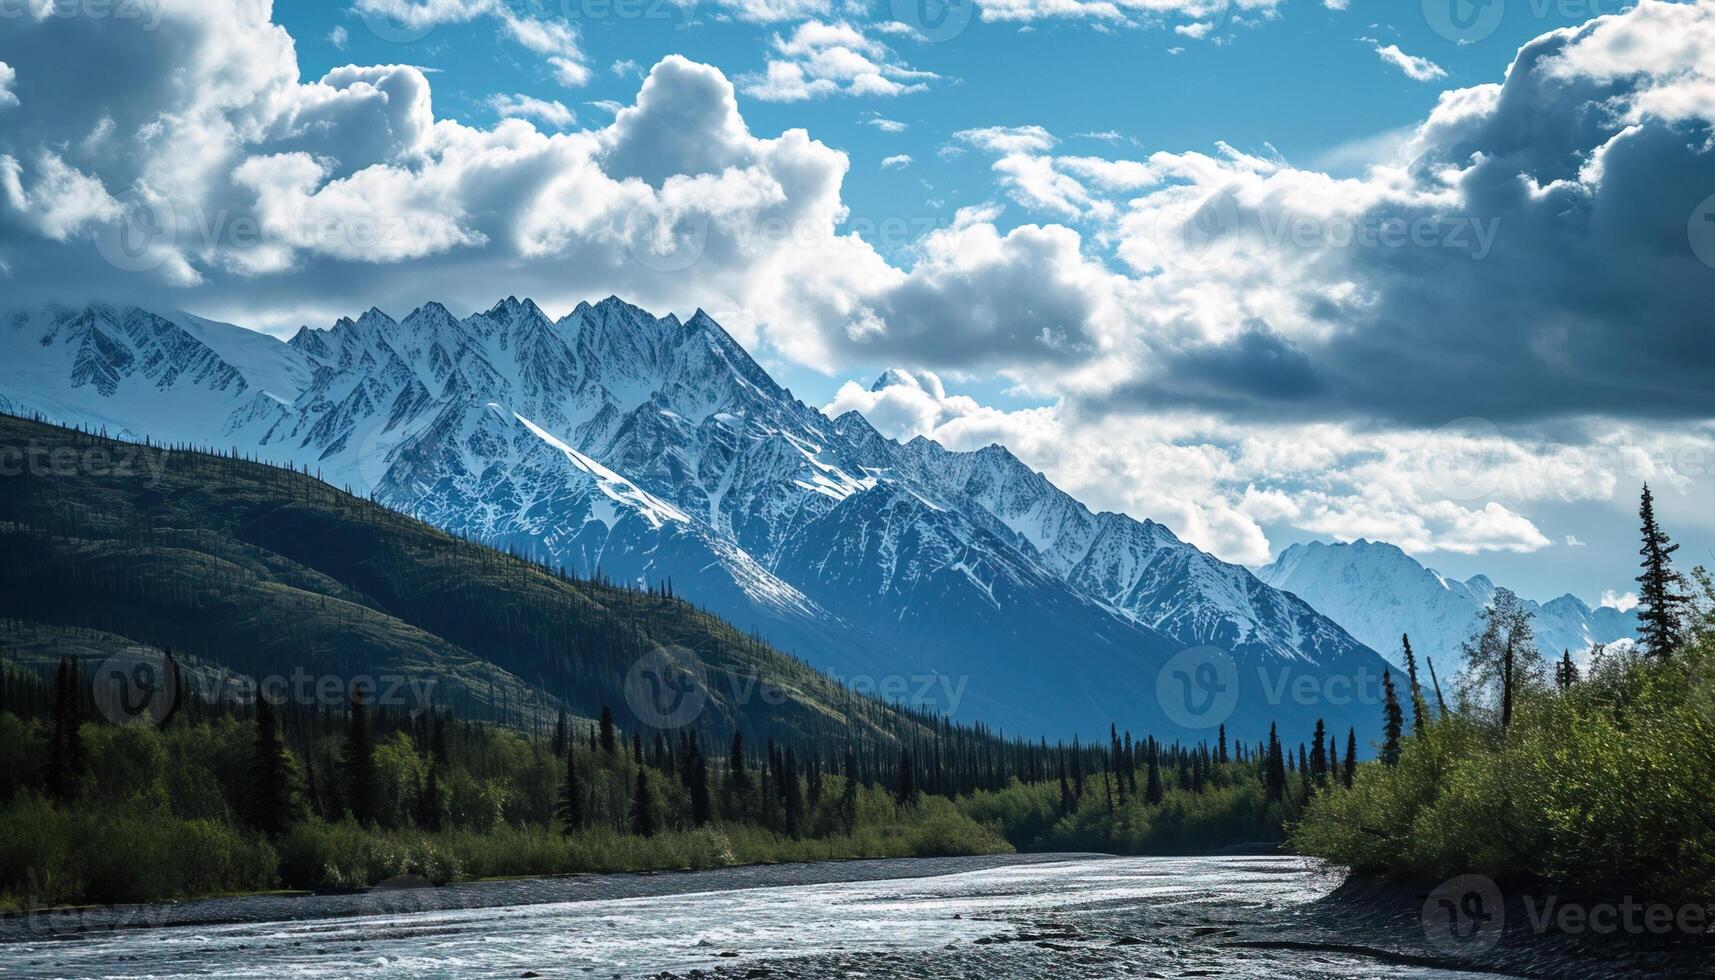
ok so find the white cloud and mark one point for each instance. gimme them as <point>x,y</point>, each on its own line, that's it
<point>884,124</point>
<point>339,38</point>
<point>896,161</point>
<point>1574,541</point>
<point>819,59</point>
<point>1209,13</point>
<point>1008,140</point>
<point>777,11</point>
<point>1202,386</point>
<point>555,39</point>
<point>1415,68</point>
<point>1624,603</point>
<point>8,78</point>
<point>551,113</point>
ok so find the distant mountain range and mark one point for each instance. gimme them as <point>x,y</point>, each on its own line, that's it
<point>654,450</point>
<point>1378,592</point>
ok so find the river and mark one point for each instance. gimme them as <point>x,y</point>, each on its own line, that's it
<point>1055,916</point>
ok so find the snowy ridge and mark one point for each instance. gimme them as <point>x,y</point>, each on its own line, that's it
<point>1378,592</point>
<point>651,448</point>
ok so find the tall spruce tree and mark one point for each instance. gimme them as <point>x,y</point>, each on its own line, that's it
<point>560,734</point>
<point>1419,711</point>
<point>362,794</point>
<point>1154,791</point>
<point>269,805</point>
<point>1661,604</point>
<point>609,741</point>
<point>1393,721</point>
<point>65,753</point>
<point>1319,756</point>
<point>644,822</point>
<point>849,795</point>
<point>792,795</point>
<point>1566,675</point>
<point>1351,771</point>
<point>1275,775</point>
<point>570,806</point>
<point>905,792</point>
<point>429,803</point>
<point>702,811</point>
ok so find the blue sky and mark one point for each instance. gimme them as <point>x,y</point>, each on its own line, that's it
<point>1034,269</point>
<point>1306,83</point>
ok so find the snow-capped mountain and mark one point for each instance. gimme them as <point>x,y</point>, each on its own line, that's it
<point>654,449</point>
<point>1378,592</point>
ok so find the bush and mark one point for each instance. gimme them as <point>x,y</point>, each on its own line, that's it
<point>1604,787</point>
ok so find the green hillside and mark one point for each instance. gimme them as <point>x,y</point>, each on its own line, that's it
<point>266,572</point>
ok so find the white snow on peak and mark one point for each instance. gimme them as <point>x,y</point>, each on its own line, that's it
<point>651,508</point>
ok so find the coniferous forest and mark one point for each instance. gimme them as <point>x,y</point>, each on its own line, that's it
<point>526,758</point>
<point>527,761</point>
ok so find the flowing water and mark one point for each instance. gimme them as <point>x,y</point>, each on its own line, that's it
<point>1076,916</point>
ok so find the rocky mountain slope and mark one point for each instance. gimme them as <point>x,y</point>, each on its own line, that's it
<point>653,449</point>
<point>1378,592</point>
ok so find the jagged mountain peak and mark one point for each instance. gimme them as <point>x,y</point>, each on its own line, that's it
<point>893,377</point>
<point>653,448</point>
<point>1378,592</point>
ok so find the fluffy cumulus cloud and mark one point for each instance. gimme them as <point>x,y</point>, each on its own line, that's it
<point>1540,254</point>
<point>409,20</point>
<point>821,59</point>
<point>203,171</point>
<point>1200,329</point>
<point>550,112</point>
<point>1464,489</point>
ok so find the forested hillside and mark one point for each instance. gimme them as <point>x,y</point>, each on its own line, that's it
<point>266,571</point>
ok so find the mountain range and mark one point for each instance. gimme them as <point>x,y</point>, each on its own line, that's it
<point>653,450</point>
<point>1378,592</point>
